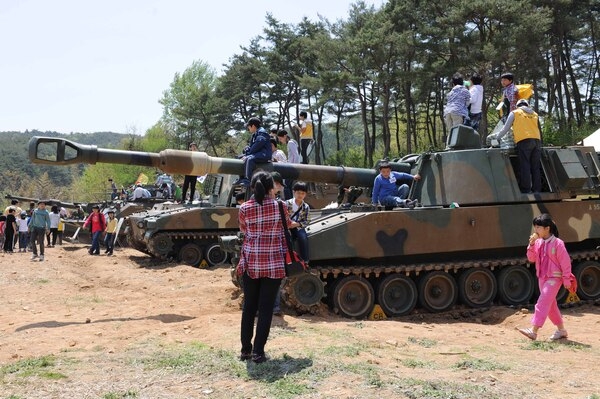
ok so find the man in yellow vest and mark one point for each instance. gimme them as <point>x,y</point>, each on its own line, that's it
<point>306,135</point>
<point>527,135</point>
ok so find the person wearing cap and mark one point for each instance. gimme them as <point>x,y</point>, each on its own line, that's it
<point>189,181</point>
<point>527,137</point>
<point>111,230</point>
<point>387,192</point>
<point>96,223</point>
<point>510,94</point>
<point>278,155</point>
<point>258,150</point>
<point>38,226</point>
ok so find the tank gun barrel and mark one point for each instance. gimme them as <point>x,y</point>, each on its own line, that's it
<point>50,201</point>
<point>56,151</point>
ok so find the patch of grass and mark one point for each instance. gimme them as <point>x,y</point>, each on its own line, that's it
<point>369,372</point>
<point>594,396</point>
<point>480,364</point>
<point>39,367</point>
<point>125,395</point>
<point>425,342</point>
<point>416,389</point>
<point>14,397</point>
<point>194,357</point>
<point>83,300</point>
<point>550,346</point>
<point>346,350</point>
<point>417,364</point>
<point>42,281</point>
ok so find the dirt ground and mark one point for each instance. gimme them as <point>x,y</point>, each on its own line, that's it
<point>102,322</point>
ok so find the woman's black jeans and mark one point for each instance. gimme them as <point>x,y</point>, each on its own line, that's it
<point>259,295</point>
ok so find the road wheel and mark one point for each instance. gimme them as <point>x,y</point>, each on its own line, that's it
<point>588,279</point>
<point>515,285</point>
<point>477,287</point>
<point>437,291</point>
<point>306,290</point>
<point>190,254</point>
<point>353,296</point>
<point>397,295</point>
<point>215,256</point>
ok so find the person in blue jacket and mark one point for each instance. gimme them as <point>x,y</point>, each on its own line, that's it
<point>388,192</point>
<point>259,149</point>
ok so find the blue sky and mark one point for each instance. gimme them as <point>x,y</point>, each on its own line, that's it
<point>79,66</point>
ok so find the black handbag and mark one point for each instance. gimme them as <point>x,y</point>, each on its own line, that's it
<point>294,265</point>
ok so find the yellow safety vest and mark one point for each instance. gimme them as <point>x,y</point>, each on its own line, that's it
<point>308,132</point>
<point>525,126</point>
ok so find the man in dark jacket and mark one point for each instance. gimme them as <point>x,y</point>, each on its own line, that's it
<point>259,149</point>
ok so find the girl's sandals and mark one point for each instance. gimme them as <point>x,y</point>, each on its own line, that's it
<point>559,334</point>
<point>528,332</point>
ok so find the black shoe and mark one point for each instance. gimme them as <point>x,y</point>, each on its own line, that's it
<point>245,356</point>
<point>256,358</point>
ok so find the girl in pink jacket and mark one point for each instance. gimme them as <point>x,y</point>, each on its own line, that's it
<point>553,269</point>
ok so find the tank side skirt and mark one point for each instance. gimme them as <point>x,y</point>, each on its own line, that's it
<point>416,269</point>
<point>185,236</point>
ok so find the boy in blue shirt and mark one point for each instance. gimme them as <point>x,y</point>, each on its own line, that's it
<point>387,192</point>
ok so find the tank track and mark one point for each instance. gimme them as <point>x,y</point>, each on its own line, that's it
<point>414,269</point>
<point>159,253</point>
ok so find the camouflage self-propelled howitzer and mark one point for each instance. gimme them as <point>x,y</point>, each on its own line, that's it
<point>190,232</point>
<point>466,242</point>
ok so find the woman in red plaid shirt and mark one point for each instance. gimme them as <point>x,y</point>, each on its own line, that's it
<point>261,263</point>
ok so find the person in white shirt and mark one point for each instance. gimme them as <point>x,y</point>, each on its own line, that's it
<point>292,146</point>
<point>476,102</point>
<point>278,155</point>
<point>22,223</point>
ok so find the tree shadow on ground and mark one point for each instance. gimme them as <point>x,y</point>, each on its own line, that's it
<point>163,318</point>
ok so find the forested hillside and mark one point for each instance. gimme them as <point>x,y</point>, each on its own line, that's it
<point>18,176</point>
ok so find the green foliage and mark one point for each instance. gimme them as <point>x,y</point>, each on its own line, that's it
<point>480,364</point>
<point>118,395</point>
<point>21,177</point>
<point>39,367</point>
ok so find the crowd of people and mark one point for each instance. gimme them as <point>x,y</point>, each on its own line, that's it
<point>520,126</point>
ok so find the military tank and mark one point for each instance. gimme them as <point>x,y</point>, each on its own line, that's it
<point>465,242</point>
<point>190,232</point>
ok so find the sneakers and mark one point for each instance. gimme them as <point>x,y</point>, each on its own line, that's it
<point>528,332</point>
<point>34,257</point>
<point>245,356</point>
<point>256,358</point>
<point>41,258</point>
<point>559,334</point>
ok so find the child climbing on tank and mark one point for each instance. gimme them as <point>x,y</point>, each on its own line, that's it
<point>553,269</point>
